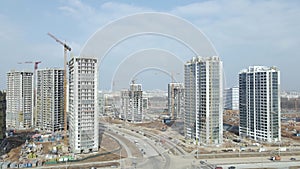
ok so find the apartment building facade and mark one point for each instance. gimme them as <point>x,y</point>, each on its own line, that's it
<point>132,104</point>
<point>203,118</point>
<point>176,100</point>
<point>83,106</point>
<point>50,99</point>
<point>259,90</point>
<point>19,99</point>
<point>231,98</point>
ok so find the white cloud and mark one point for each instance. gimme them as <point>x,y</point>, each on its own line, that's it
<point>204,9</point>
<point>259,32</point>
<point>245,22</point>
<point>122,9</point>
<point>98,15</point>
<point>67,10</point>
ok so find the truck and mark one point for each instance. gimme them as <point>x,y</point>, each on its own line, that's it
<point>275,158</point>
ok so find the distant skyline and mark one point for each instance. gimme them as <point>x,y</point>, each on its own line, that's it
<point>244,33</point>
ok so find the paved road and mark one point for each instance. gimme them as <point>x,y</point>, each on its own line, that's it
<point>239,163</point>
<point>278,165</point>
<point>182,163</point>
<point>159,157</point>
<point>128,151</point>
<point>155,157</point>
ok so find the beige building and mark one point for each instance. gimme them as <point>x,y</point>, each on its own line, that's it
<point>176,100</point>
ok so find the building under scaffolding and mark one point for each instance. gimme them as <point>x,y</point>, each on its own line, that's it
<point>176,100</point>
<point>132,104</point>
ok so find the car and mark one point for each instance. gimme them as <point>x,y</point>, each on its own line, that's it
<point>202,162</point>
<point>293,159</point>
<point>231,167</point>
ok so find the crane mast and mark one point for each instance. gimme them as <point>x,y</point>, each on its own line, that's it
<point>66,49</point>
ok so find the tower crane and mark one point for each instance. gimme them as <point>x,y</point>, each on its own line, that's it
<point>66,49</point>
<point>36,63</point>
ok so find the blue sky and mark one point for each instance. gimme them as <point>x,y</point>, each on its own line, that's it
<point>244,32</point>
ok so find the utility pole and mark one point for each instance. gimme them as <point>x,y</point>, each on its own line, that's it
<point>66,49</point>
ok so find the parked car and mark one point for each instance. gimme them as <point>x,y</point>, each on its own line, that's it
<point>293,159</point>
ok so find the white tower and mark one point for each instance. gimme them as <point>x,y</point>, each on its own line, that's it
<point>83,106</point>
<point>204,100</point>
<point>19,100</point>
<point>259,88</point>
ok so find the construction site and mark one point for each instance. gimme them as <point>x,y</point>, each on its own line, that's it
<point>23,149</point>
<point>29,149</point>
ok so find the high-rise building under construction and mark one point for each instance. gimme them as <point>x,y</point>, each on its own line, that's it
<point>83,105</point>
<point>132,104</point>
<point>259,93</point>
<point>203,119</point>
<point>50,99</point>
<point>176,100</point>
<point>19,99</point>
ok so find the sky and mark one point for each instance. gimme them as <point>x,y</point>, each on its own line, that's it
<point>244,33</point>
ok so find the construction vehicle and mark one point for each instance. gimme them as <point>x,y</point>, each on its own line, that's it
<point>275,158</point>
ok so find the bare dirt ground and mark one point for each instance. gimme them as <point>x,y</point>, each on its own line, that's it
<point>231,117</point>
<point>13,155</point>
<point>107,144</point>
<point>155,125</point>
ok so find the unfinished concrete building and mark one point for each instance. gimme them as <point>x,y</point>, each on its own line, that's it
<point>19,99</point>
<point>176,100</point>
<point>132,104</point>
<point>50,100</point>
